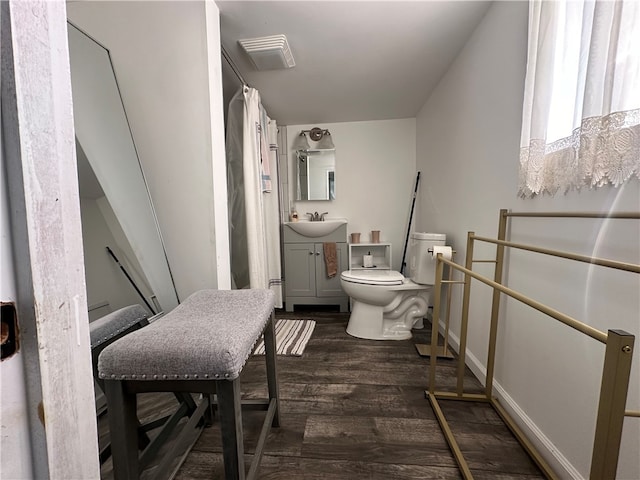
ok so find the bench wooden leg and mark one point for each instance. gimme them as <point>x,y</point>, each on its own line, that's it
<point>272,374</point>
<point>123,429</point>
<point>231,428</point>
<point>210,412</point>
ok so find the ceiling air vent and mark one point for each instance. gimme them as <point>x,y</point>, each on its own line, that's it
<point>269,53</point>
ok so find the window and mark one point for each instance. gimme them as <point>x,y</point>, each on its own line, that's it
<point>581,111</point>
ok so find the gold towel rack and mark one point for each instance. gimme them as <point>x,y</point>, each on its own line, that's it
<point>618,353</point>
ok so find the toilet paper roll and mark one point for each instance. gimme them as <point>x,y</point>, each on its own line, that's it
<point>445,250</point>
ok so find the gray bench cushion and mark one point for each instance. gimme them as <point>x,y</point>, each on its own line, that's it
<point>111,325</point>
<point>208,336</point>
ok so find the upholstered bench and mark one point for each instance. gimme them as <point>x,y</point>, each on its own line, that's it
<point>103,332</point>
<point>199,347</point>
<point>106,330</point>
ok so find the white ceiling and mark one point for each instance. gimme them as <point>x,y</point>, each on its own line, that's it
<point>355,60</point>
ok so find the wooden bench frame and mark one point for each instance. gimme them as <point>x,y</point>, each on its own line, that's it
<point>123,420</point>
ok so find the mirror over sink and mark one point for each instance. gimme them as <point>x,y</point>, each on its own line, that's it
<point>315,165</point>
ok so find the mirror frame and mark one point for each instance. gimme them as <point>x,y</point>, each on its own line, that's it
<point>103,130</point>
<point>309,185</point>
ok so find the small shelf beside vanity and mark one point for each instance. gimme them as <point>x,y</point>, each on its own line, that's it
<point>381,255</point>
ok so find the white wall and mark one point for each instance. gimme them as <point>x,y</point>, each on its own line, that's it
<point>105,281</point>
<point>375,176</point>
<point>160,52</point>
<point>468,143</point>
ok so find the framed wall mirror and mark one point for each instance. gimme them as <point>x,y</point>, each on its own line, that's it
<point>125,259</point>
<point>316,174</point>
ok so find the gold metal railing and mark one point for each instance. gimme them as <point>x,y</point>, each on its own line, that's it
<point>618,349</point>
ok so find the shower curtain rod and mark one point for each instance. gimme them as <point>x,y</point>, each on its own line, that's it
<point>234,69</point>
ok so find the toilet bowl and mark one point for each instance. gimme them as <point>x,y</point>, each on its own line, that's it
<point>384,304</point>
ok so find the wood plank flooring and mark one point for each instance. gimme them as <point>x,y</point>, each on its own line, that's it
<point>355,409</point>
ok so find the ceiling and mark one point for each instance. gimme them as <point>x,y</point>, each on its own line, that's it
<point>355,60</point>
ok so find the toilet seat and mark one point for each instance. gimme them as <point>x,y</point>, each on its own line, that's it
<point>373,277</point>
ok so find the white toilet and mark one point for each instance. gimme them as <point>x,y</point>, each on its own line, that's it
<point>384,304</point>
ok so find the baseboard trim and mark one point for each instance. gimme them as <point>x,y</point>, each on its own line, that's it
<point>557,461</point>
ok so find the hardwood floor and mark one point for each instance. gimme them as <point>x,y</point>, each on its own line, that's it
<point>355,409</point>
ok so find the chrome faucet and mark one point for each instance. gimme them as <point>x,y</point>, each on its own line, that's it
<point>316,217</point>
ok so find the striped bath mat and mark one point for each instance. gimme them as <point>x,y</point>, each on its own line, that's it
<point>291,337</point>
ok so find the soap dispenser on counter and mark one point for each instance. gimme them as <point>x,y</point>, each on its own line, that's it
<point>293,217</point>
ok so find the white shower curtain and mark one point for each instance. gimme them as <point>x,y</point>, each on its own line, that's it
<point>253,195</point>
<point>272,215</point>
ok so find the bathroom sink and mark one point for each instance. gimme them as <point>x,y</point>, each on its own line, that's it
<point>316,229</point>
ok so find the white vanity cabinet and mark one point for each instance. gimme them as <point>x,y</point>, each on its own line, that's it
<point>381,253</point>
<point>305,272</point>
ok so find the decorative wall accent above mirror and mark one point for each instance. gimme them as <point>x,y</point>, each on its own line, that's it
<point>125,260</point>
<point>315,165</point>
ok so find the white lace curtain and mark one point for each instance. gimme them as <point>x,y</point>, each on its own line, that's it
<point>581,112</point>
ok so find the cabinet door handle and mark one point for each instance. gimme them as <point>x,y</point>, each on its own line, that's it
<point>310,253</point>
<point>317,253</point>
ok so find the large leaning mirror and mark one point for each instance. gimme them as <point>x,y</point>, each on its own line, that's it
<point>316,174</point>
<point>125,259</point>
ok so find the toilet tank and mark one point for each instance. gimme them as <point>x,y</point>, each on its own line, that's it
<point>422,264</point>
